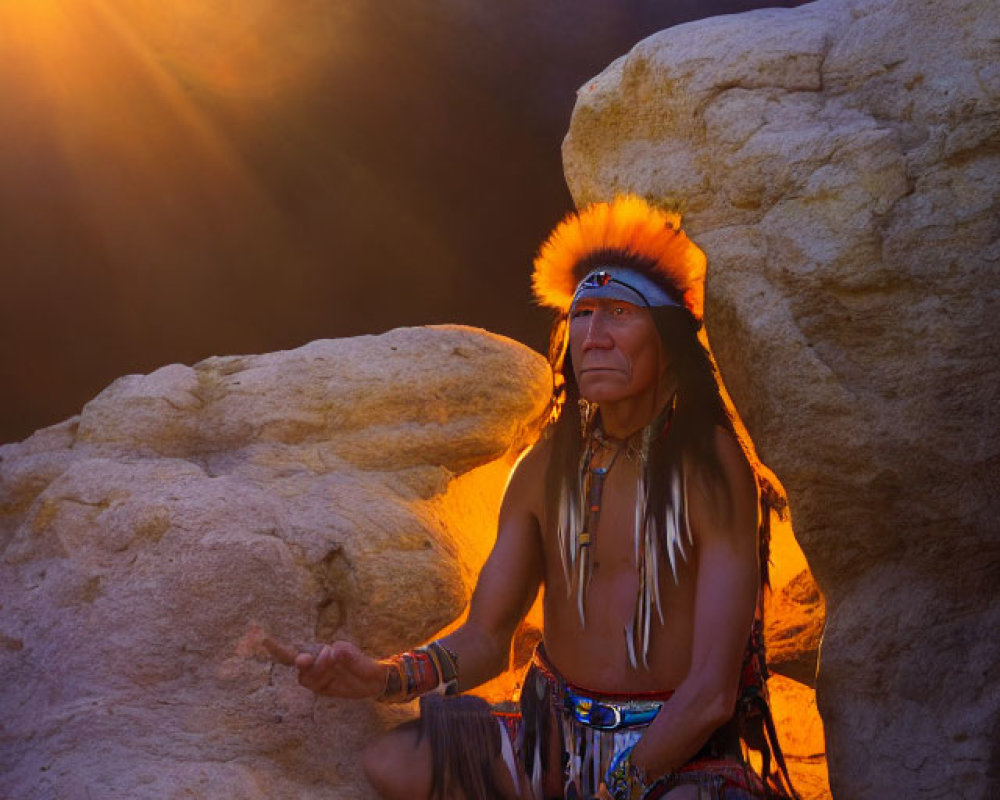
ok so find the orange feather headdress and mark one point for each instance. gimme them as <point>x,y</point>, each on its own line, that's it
<point>626,231</point>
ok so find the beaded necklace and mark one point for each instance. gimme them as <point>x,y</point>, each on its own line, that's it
<point>579,514</point>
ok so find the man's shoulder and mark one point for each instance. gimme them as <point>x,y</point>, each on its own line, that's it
<point>526,488</point>
<point>535,460</point>
<point>727,497</point>
<point>732,461</point>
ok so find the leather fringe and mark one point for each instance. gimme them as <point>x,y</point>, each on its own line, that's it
<point>465,747</point>
<point>537,719</point>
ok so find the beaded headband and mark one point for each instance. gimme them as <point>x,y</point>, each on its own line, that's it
<point>612,283</point>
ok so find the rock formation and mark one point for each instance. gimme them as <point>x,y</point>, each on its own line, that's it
<point>840,164</point>
<point>345,488</point>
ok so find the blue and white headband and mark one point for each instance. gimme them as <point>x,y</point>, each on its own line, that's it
<point>628,285</point>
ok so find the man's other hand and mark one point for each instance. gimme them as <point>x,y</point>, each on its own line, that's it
<point>341,670</point>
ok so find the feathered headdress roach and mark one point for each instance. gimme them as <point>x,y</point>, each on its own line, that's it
<point>627,232</point>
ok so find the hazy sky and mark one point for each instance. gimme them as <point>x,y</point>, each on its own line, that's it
<point>201,177</point>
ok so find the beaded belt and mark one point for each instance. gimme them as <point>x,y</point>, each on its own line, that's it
<point>596,710</point>
<point>609,715</point>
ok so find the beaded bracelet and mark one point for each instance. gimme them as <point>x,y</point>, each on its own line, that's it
<point>432,668</point>
<point>625,780</point>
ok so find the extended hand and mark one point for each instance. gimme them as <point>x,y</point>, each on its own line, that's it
<point>341,670</point>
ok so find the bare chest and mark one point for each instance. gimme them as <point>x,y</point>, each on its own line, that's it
<point>593,651</point>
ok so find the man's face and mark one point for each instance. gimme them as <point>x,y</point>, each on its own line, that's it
<point>616,350</point>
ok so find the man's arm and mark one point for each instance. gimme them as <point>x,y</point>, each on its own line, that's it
<point>507,584</point>
<point>726,589</point>
<point>505,590</point>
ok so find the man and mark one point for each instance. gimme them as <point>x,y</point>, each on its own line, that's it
<point>645,519</point>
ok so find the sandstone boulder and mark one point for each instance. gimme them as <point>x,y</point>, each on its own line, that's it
<point>347,488</point>
<point>840,164</point>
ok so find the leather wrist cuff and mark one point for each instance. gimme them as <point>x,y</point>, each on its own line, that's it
<point>432,668</point>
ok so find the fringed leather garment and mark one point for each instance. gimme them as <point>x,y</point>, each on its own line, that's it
<point>468,744</point>
<point>550,705</point>
<point>471,743</point>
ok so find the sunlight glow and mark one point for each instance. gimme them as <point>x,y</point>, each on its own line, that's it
<point>103,96</point>
<point>250,47</point>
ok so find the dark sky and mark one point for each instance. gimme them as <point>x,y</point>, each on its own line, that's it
<point>192,178</point>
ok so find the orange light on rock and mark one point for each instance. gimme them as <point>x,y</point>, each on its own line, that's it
<point>794,617</point>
